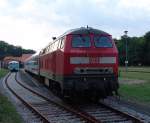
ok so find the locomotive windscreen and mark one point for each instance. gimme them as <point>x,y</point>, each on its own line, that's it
<point>102,41</point>
<point>81,41</point>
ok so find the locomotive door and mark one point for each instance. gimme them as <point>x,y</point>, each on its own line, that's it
<point>54,59</point>
<point>60,58</point>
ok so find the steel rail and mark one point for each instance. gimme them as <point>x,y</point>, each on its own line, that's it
<point>130,117</point>
<point>87,118</point>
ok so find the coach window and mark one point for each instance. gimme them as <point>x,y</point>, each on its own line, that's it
<point>81,41</point>
<point>35,63</point>
<point>103,41</point>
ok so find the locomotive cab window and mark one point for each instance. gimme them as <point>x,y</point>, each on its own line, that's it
<point>81,41</point>
<point>102,41</point>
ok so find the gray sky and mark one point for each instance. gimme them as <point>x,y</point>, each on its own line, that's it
<point>32,23</point>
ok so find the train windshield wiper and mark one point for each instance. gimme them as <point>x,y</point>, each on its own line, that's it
<point>82,38</point>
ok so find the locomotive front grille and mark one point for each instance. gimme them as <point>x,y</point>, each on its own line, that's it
<point>104,70</point>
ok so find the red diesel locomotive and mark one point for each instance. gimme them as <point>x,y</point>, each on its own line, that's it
<point>82,61</point>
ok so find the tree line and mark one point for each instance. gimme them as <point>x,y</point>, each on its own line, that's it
<point>138,50</point>
<point>11,50</point>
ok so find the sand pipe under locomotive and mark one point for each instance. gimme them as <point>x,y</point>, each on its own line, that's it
<point>82,61</point>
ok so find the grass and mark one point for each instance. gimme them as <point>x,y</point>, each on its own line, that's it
<point>8,113</point>
<point>3,72</point>
<point>140,69</point>
<point>135,75</point>
<point>137,92</point>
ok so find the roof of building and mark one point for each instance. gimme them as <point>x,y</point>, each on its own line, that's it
<point>25,56</point>
<point>22,58</point>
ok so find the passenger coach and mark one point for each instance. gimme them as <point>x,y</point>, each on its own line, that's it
<point>81,61</point>
<point>32,65</point>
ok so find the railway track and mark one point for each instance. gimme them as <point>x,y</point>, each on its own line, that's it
<point>107,114</point>
<point>45,109</point>
<point>96,113</point>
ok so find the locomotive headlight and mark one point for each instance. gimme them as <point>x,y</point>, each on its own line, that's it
<point>107,60</point>
<point>79,60</point>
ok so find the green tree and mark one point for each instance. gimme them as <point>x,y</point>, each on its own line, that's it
<point>136,50</point>
<point>146,48</point>
<point>11,50</point>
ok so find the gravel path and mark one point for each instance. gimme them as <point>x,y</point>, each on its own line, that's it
<point>34,84</point>
<point>132,108</point>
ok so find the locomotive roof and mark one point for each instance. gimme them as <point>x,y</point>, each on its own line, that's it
<point>81,30</point>
<point>84,30</point>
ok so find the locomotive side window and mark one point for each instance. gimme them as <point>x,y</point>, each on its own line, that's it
<point>59,43</point>
<point>56,45</point>
<point>81,41</point>
<point>102,41</point>
<point>62,43</point>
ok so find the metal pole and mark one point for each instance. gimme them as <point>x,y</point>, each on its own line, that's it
<point>126,61</point>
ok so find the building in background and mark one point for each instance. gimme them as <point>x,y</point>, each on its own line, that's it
<point>7,59</point>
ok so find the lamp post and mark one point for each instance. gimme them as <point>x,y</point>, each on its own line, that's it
<point>126,61</point>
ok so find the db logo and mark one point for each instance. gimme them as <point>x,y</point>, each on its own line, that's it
<point>94,60</point>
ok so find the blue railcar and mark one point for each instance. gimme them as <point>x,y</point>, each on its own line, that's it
<point>13,66</point>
